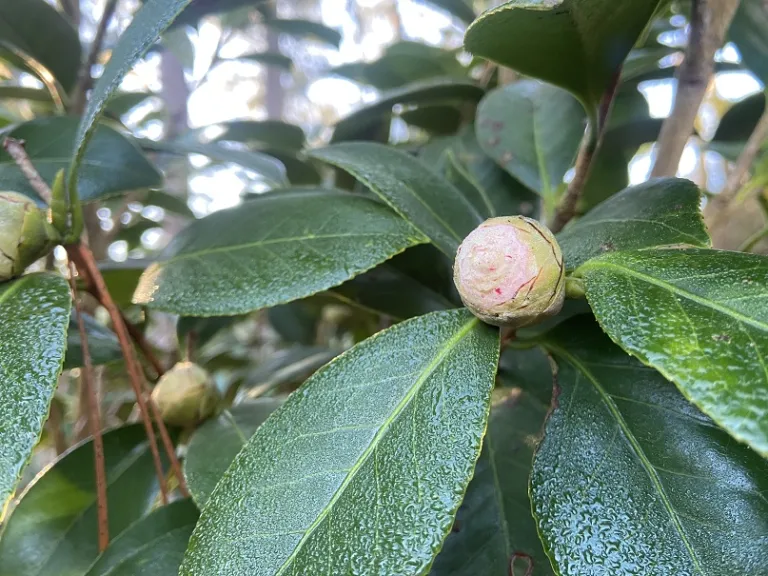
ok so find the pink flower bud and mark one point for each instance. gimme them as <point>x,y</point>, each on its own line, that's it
<point>509,272</point>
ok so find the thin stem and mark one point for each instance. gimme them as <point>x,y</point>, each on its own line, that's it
<point>83,258</point>
<point>15,149</point>
<point>143,345</point>
<point>85,80</point>
<point>753,240</point>
<point>710,20</point>
<point>590,145</point>
<point>94,420</point>
<point>746,158</point>
<point>98,288</point>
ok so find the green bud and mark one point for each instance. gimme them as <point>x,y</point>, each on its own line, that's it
<point>25,234</point>
<point>186,395</point>
<point>509,272</point>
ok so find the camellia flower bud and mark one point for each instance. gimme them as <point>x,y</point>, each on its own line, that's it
<point>186,395</point>
<point>25,234</point>
<point>509,272</point>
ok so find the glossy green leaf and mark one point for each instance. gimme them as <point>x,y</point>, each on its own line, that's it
<point>152,546</point>
<point>700,318</point>
<point>494,528</point>
<point>291,366</point>
<point>111,166</point>
<point>273,249</point>
<point>632,479</point>
<point>459,8</point>
<point>57,47</point>
<point>270,168</point>
<point>749,31</point>
<point>578,45</point>
<point>295,322</point>
<point>363,468</point>
<point>438,119</point>
<point>537,143</point>
<point>102,343</point>
<point>215,444</point>
<point>266,133</point>
<point>34,311</point>
<point>307,30</point>
<point>488,187</point>
<point>147,25</point>
<point>52,531</point>
<point>421,196</point>
<point>655,213</point>
<point>418,281</point>
<point>417,93</point>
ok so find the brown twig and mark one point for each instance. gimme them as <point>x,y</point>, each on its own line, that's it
<point>85,262</point>
<point>94,420</point>
<point>143,345</point>
<point>710,20</point>
<point>16,151</point>
<point>590,145</point>
<point>746,158</point>
<point>85,80</point>
<point>87,265</point>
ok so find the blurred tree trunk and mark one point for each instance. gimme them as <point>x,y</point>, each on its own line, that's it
<point>275,91</point>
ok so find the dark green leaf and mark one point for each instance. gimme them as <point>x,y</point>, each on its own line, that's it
<point>122,278</point>
<point>270,168</point>
<point>23,93</point>
<point>418,93</point>
<point>700,318</point>
<point>424,198</point>
<point>435,119</point>
<point>215,444</point>
<point>388,289</point>
<point>39,30</point>
<point>34,311</point>
<point>403,63</point>
<point>111,166</point>
<point>152,546</point>
<point>102,343</point>
<point>749,31</point>
<point>168,202</point>
<point>122,102</point>
<point>269,59</point>
<point>147,25</point>
<point>537,143</point>
<point>578,45</point>
<point>267,133</point>
<point>740,120</point>
<point>494,528</point>
<point>52,532</point>
<point>364,466</point>
<point>655,213</point>
<point>307,30</point>
<point>499,193</point>
<point>201,330</point>
<point>295,322</point>
<point>632,479</point>
<point>289,366</point>
<point>271,250</point>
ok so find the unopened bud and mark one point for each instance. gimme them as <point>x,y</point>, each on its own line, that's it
<point>25,234</point>
<point>509,272</point>
<point>186,395</point>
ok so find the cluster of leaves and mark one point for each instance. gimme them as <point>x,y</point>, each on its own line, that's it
<point>427,447</point>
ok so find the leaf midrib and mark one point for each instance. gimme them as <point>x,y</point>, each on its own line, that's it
<point>636,448</point>
<point>428,371</point>
<point>260,243</point>
<point>675,290</point>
